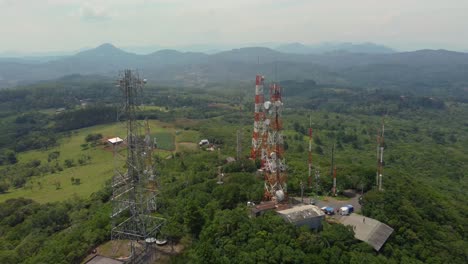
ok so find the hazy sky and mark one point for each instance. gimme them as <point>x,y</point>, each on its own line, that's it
<point>48,25</point>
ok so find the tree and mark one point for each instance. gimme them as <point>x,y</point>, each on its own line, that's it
<point>173,230</point>
<point>193,219</point>
<point>93,137</point>
<point>11,157</point>
<point>57,184</point>
<point>53,156</point>
<point>317,140</point>
<point>69,163</point>
<point>300,148</point>
<point>4,187</point>
<point>319,150</point>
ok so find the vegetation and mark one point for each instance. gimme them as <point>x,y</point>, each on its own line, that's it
<point>65,211</point>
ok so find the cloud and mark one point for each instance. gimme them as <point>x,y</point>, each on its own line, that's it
<point>91,12</point>
<point>6,2</point>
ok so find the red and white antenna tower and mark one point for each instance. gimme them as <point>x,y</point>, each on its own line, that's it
<point>380,150</point>
<point>309,179</point>
<point>259,133</point>
<point>275,167</point>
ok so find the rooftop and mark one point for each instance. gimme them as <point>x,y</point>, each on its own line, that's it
<point>115,140</point>
<point>368,230</point>
<point>301,212</point>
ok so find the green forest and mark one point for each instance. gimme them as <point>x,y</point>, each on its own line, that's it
<point>425,171</point>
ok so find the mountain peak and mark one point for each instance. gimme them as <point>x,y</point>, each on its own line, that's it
<point>105,49</point>
<point>106,46</point>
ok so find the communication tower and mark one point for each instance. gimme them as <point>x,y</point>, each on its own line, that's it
<point>309,178</point>
<point>134,184</point>
<point>275,167</point>
<point>380,150</point>
<point>259,135</point>
<point>333,170</point>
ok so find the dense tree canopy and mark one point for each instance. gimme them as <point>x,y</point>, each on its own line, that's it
<point>425,173</point>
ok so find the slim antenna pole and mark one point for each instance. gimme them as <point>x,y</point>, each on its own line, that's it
<point>382,142</point>
<point>276,71</point>
<point>334,181</point>
<point>310,153</point>
<point>333,170</point>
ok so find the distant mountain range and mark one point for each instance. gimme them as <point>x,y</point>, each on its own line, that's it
<point>334,47</point>
<point>382,67</point>
<point>216,48</point>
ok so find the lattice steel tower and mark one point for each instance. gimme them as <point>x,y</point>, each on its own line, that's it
<point>133,185</point>
<point>275,167</point>
<point>259,135</point>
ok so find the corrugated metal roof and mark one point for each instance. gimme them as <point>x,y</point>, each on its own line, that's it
<point>302,212</point>
<point>368,230</point>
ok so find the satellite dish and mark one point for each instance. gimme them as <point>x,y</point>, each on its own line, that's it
<point>267,122</point>
<point>279,195</point>
<point>150,240</point>
<point>273,155</point>
<point>278,103</point>
<point>267,105</point>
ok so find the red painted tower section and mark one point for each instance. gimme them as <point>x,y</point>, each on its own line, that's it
<point>258,135</point>
<point>275,167</point>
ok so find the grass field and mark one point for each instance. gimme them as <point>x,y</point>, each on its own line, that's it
<point>188,136</point>
<point>94,175</point>
<point>166,140</point>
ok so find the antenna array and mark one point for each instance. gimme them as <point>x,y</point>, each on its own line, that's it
<point>134,184</point>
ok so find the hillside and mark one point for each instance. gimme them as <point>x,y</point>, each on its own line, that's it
<point>432,68</point>
<point>424,198</point>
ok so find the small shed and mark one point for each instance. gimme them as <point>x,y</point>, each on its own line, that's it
<point>115,140</point>
<point>203,142</point>
<point>263,207</point>
<point>230,159</point>
<point>304,215</point>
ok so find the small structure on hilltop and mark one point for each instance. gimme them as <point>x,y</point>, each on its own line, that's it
<point>368,230</point>
<point>261,208</point>
<point>204,142</point>
<point>115,140</point>
<point>304,215</point>
<point>230,159</point>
